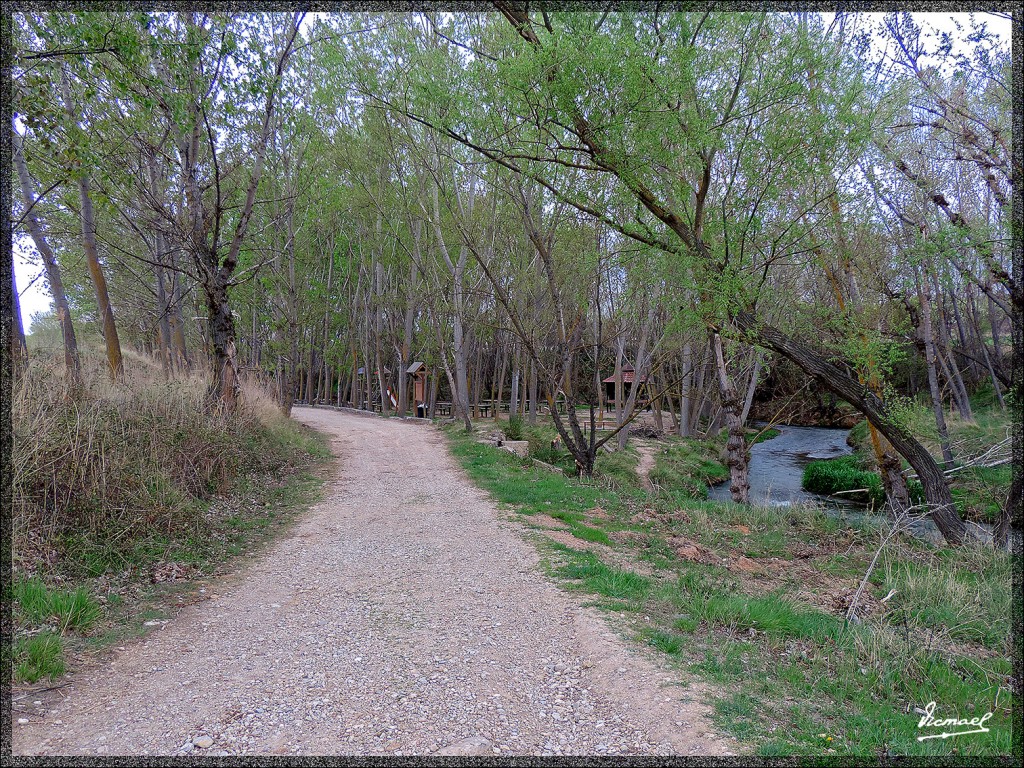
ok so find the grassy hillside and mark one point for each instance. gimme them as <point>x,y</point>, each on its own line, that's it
<point>130,490</point>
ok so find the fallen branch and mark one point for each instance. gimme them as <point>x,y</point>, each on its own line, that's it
<point>901,523</point>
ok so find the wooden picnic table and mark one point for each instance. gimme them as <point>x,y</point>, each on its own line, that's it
<point>443,408</point>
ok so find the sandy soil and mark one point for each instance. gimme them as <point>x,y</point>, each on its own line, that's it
<point>404,614</point>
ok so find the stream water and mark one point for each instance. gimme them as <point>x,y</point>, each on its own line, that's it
<point>777,468</point>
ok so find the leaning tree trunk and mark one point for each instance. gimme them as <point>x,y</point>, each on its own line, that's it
<point>19,350</point>
<point>937,494</point>
<point>99,281</point>
<point>53,274</point>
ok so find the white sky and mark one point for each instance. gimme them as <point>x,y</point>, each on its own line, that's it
<point>28,266</point>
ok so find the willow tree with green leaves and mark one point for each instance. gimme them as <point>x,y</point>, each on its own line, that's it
<point>704,122</point>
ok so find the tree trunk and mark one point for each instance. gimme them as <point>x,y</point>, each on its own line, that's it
<point>976,327</point>
<point>656,404</point>
<point>407,336</point>
<point>640,371</point>
<point>167,271</point>
<point>995,321</point>
<point>291,304</point>
<point>19,350</point>
<point>163,309</point>
<point>513,406</point>
<point>461,383</point>
<point>53,275</point>
<point>933,380</point>
<point>177,322</point>
<point>533,392</point>
<point>684,392</point>
<point>99,281</point>
<point>501,383</point>
<point>749,400</point>
<point>619,384</point>
<point>1010,513</point>
<point>944,354</point>
<point>478,376</point>
<point>736,445</point>
<point>221,327</point>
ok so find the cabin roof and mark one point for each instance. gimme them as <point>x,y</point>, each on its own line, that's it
<point>628,377</point>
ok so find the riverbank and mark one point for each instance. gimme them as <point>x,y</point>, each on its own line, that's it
<point>756,599</point>
<point>981,472</point>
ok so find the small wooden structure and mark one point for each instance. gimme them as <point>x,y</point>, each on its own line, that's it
<point>628,380</point>
<point>418,371</point>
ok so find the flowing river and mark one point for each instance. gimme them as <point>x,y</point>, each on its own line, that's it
<point>776,473</point>
<point>777,466</point>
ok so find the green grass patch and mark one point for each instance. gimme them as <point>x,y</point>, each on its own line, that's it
<point>586,533</point>
<point>961,596</point>
<point>618,468</point>
<point>687,467</point>
<point>38,656</point>
<point>981,492</point>
<point>599,577</point>
<point>755,436</point>
<point>69,609</point>
<point>532,490</point>
<point>844,476</point>
<point>793,677</point>
<point>667,642</point>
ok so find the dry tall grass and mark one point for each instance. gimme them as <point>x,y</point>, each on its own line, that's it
<point>126,458</point>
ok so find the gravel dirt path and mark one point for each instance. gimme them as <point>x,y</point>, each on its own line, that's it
<point>403,614</point>
<point>646,463</point>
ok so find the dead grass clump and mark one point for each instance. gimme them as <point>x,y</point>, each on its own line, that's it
<point>132,457</point>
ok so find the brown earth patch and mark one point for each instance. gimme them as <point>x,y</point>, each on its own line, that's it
<point>547,522</point>
<point>565,537</point>
<point>745,564</point>
<point>692,551</point>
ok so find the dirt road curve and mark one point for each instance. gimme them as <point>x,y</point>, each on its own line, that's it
<point>404,614</point>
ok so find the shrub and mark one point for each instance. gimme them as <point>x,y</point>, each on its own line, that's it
<point>843,474</point>
<point>131,460</point>
<point>514,428</point>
